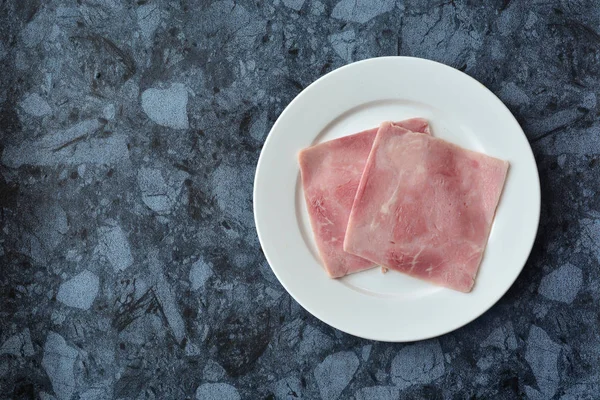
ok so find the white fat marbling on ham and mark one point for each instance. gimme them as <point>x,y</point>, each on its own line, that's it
<point>331,173</point>
<point>425,207</point>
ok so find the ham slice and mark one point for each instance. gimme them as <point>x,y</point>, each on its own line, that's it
<point>331,173</point>
<point>425,207</point>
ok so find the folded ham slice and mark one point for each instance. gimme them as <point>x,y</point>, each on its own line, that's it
<point>331,173</point>
<point>425,207</point>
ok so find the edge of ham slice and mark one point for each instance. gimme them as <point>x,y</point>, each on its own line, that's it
<point>331,173</point>
<point>425,207</point>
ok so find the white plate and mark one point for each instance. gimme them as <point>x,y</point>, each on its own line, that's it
<point>392,306</point>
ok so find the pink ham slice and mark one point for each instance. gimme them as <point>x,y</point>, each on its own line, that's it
<point>331,173</point>
<point>425,207</point>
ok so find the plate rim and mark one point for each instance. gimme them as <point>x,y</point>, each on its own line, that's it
<point>452,327</point>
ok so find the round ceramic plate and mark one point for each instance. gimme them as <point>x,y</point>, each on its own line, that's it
<point>393,306</point>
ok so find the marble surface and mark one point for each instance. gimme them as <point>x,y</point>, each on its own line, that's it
<point>130,267</point>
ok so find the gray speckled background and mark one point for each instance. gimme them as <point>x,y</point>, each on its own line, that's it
<point>130,267</point>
